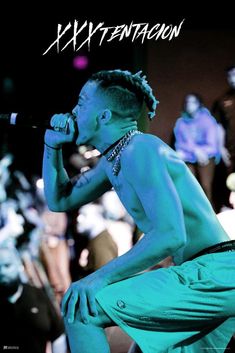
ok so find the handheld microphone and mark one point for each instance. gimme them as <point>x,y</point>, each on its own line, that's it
<point>33,121</point>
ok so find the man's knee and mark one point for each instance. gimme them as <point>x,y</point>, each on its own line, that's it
<point>102,320</point>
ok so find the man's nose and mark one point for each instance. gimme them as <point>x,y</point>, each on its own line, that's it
<point>74,111</point>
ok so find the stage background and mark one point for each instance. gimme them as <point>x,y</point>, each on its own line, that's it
<point>37,84</point>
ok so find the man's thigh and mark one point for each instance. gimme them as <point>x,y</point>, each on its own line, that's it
<point>172,298</point>
<point>171,305</point>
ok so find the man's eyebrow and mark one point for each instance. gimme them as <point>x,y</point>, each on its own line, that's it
<point>83,97</point>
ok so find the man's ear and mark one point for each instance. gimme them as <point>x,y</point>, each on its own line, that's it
<point>105,116</point>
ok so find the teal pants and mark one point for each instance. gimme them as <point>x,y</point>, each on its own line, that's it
<point>188,308</point>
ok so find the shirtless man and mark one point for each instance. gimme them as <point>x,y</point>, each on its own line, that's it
<point>189,305</point>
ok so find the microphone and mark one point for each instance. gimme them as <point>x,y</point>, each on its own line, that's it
<point>33,121</point>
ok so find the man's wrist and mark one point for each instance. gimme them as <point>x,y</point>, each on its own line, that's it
<point>101,274</point>
<point>57,148</point>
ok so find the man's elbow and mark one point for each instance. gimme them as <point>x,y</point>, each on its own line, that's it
<point>55,206</point>
<point>178,242</point>
<point>173,238</point>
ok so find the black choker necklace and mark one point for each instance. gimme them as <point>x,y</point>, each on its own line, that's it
<point>112,146</point>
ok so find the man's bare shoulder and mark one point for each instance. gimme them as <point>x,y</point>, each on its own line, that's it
<point>147,150</point>
<point>144,141</point>
<point>143,151</point>
<point>146,145</point>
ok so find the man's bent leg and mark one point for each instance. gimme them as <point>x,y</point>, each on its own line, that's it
<point>91,337</point>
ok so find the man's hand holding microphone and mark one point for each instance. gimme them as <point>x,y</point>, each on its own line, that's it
<point>64,130</point>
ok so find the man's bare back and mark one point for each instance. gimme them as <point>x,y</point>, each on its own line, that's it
<point>202,227</point>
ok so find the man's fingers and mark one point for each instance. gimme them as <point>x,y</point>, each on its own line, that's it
<point>60,123</point>
<point>71,307</point>
<point>83,308</point>
<point>70,126</point>
<point>64,302</point>
<point>92,303</point>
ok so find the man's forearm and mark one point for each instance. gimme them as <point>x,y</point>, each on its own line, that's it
<point>54,176</point>
<point>150,250</point>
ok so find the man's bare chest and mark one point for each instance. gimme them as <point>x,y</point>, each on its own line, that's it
<point>126,194</point>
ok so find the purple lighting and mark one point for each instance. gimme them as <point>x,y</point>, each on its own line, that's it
<point>80,62</point>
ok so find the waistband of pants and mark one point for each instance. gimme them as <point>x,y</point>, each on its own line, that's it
<point>220,247</point>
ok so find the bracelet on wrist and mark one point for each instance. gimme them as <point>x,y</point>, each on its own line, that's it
<point>54,148</point>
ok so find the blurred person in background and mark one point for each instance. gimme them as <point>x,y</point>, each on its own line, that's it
<point>227,215</point>
<point>29,321</point>
<point>101,246</point>
<point>54,250</point>
<point>223,110</point>
<point>197,141</point>
<point>118,222</point>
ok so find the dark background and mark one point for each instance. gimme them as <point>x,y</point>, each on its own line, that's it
<point>195,61</point>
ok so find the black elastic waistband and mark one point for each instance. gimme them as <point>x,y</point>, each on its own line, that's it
<point>220,247</point>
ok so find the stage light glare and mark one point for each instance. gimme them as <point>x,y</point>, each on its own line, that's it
<point>40,184</point>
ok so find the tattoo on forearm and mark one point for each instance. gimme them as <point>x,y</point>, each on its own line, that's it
<point>82,180</point>
<point>48,152</point>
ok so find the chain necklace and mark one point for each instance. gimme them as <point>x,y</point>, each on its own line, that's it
<point>119,148</point>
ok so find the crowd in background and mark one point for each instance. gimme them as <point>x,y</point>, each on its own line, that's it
<point>205,139</point>
<point>55,249</point>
